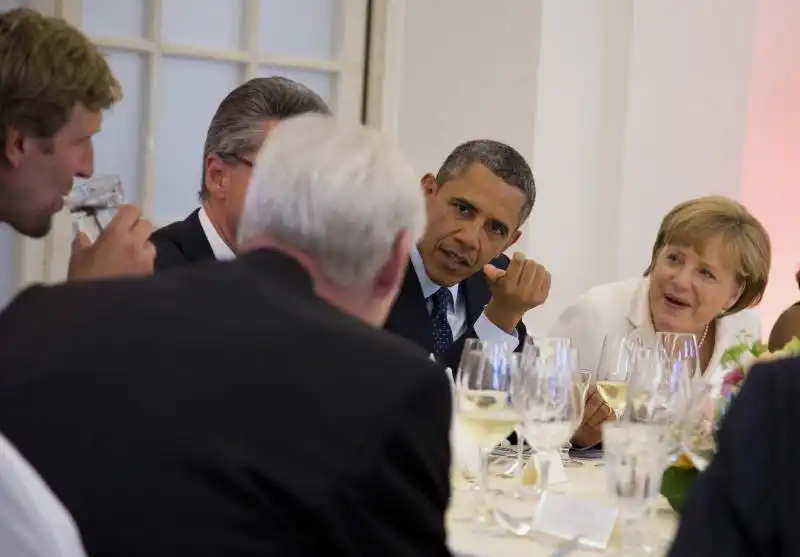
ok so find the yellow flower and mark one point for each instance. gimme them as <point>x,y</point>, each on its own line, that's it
<point>683,461</point>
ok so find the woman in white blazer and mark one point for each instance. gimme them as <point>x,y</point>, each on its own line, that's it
<point>709,264</point>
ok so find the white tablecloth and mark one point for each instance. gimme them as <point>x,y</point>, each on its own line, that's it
<point>587,480</point>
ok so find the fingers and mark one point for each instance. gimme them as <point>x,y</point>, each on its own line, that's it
<point>493,274</point>
<point>80,242</point>
<point>126,218</point>
<point>515,269</point>
<point>141,231</point>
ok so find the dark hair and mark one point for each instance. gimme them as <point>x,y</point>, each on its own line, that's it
<point>503,161</point>
<point>236,128</point>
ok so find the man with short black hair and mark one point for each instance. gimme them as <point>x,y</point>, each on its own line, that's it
<point>459,284</point>
<point>237,130</point>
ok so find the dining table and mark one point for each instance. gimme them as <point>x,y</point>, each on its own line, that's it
<point>586,480</point>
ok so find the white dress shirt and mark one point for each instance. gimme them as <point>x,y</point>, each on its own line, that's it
<point>221,250</point>
<point>457,309</point>
<point>33,522</point>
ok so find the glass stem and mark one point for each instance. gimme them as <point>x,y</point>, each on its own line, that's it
<point>482,494</point>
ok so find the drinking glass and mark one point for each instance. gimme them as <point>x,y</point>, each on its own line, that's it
<point>93,203</point>
<point>617,359</point>
<point>682,347</point>
<point>634,464</point>
<point>484,409</point>
<point>550,402</point>
<point>703,418</point>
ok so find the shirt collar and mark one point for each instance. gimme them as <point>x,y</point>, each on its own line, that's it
<point>429,287</point>
<point>220,249</point>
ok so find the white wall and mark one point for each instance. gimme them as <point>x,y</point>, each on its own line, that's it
<point>625,107</point>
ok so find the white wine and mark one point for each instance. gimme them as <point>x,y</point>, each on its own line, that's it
<point>486,417</point>
<point>614,393</point>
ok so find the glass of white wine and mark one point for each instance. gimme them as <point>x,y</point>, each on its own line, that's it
<point>617,359</point>
<point>484,409</point>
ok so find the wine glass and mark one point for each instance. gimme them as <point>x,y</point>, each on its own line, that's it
<point>682,347</point>
<point>550,402</point>
<point>93,203</point>
<point>613,370</point>
<point>484,409</point>
<point>703,418</point>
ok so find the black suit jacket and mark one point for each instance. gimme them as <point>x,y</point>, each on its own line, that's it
<point>185,415</point>
<point>181,243</point>
<point>410,318</point>
<point>747,502</point>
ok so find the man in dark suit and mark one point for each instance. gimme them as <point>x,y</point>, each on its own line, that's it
<point>746,503</point>
<point>251,407</point>
<point>459,284</point>
<point>235,135</point>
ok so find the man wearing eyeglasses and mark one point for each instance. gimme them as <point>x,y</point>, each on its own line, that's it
<point>237,130</point>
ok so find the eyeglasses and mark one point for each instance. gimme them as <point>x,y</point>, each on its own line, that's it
<point>237,158</point>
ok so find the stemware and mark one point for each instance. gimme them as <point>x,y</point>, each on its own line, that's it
<point>704,416</point>
<point>617,358</point>
<point>680,347</point>
<point>550,402</point>
<point>484,409</point>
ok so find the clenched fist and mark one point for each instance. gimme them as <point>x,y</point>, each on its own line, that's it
<point>523,286</point>
<point>123,249</point>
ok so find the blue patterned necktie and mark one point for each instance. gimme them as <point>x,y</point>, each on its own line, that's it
<point>442,334</point>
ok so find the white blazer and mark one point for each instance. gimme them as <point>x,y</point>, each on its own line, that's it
<point>621,308</point>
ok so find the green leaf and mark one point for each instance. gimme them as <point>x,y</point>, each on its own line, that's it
<point>733,354</point>
<point>675,484</point>
<point>793,346</point>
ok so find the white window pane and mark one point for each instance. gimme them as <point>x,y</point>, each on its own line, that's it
<point>213,24</point>
<point>322,83</point>
<point>304,28</point>
<point>118,146</point>
<point>6,5</point>
<point>190,92</point>
<point>7,264</point>
<point>120,18</point>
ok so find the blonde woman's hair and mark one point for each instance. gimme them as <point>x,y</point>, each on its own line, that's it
<point>745,242</point>
<point>47,67</point>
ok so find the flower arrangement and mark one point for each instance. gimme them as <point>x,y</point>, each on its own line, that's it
<point>737,361</point>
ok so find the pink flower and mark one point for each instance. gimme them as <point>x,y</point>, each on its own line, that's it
<point>732,380</point>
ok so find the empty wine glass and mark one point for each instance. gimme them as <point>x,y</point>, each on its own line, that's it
<point>484,408</point>
<point>703,418</point>
<point>550,402</point>
<point>682,347</point>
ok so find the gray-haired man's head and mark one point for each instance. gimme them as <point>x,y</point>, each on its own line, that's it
<point>476,204</point>
<point>236,133</point>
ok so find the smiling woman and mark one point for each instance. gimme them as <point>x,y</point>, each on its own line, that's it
<point>709,265</point>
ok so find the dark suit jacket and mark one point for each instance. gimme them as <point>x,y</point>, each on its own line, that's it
<point>185,415</point>
<point>410,318</point>
<point>747,502</point>
<point>181,243</point>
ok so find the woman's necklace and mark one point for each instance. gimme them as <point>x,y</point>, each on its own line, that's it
<point>703,338</point>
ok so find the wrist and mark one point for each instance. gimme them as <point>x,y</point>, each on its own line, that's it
<point>501,317</point>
